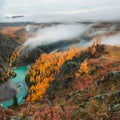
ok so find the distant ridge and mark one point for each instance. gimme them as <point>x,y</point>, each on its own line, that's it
<point>5,24</point>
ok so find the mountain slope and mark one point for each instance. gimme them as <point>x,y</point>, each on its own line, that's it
<point>7,45</point>
<point>87,87</point>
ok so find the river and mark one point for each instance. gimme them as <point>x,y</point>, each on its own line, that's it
<point>20,80</point>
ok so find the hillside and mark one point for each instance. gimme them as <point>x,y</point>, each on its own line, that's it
<point>7,45</point>
<point>87,86</point>
<point>65,80</point>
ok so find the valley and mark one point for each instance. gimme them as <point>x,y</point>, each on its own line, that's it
<point>60,71</point>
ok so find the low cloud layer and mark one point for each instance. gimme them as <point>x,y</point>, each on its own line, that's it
<point>56,33</point>
<point>113,40</point>
<point>66,32</point>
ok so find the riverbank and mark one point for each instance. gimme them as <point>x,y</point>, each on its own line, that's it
<point>8,90</point>
<point>15,86</point>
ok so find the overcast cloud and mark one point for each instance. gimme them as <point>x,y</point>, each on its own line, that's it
<point>60,10</point>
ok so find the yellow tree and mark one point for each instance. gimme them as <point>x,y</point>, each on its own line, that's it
<point>84,67</point>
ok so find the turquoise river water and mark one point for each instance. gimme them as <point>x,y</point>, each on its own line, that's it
<point>19,79</point>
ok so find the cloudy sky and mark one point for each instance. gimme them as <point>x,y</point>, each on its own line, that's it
<point>60,10</point>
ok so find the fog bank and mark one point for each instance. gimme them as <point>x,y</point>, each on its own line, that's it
<point>56,33</point>
<point>113,40</point>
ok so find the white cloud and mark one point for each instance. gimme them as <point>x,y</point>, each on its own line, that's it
<point>113,40</point>
<point>53,10</point>
<point>56,33</point>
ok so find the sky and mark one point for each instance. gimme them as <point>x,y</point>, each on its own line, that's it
<point>60,10</point>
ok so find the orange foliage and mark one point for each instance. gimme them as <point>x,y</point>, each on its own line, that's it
<point>10,31</point>
<point>84,67</point>
<point>14,59</point>
<point>5,75</point>
<point>93,51</point>
<point>8,72</point>
<point>44,71</point>
<point>72,52</point>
